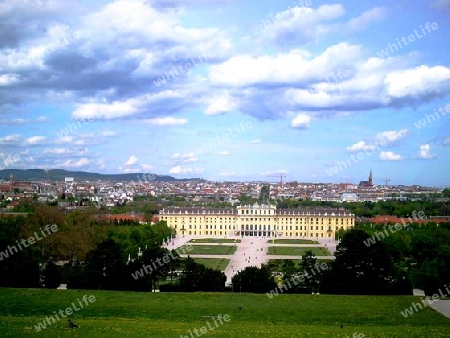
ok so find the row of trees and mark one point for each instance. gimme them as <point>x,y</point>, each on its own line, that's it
<point>106,268</point>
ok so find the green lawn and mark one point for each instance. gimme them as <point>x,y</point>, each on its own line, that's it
<point>210,250</point>
<point>292,241</point>
<point>130,314</point>
<point>214,263</point>
<point>297,251</point>
<point>214,240</point>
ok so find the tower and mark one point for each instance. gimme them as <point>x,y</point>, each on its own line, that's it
<point>370,178</point>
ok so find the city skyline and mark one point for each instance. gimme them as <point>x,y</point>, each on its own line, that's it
<point>321,91</point>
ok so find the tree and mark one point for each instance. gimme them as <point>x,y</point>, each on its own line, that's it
<point>52,276</point>
<point>19,265</point>
<point>153,258</point>
<point>254,279</point>
<point>288,268</point>
<point>196,277</point>
<point>308,268</point>
<point>362,269</point>
<point>106,268</point>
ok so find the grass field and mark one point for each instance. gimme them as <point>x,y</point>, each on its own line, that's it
<point>209,249</point>
<point>292,241</point>
<point>214,240</point>
<point>214,263</point>
<point>297,251</point>
<point>129,314</point>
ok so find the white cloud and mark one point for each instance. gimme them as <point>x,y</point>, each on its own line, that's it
<point>292,67</point>
<point>8,79</point>
<point>392,136</point>
<point>387,137</point>
<point>220,105</point>
<point>108,133</point>
<point>108,111</point>
<point>132,160</point>
<point>421,80</point>
<point>13,138</point>
<point>178,170</point>
<point>390,156</point>
<point>75,164</point>
<point>361,146</point>
<point>223,153</point>
<point>301,121</point>
<point>175,170</point>
<point>167,121</point>
<point>147,166</point>
<point>184,158</point>
<point>56,151</point>
<point>366,18</point>
<point>256,141</point>
<point>307,23</point>
<point>425,152</point>
<point>36,140</point>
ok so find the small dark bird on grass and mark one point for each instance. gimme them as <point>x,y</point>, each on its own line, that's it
<point>71,324</point>
<point>240,308</point>
<point>342,326</point>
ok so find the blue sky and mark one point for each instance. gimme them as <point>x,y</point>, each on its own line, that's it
<point>228,90</point>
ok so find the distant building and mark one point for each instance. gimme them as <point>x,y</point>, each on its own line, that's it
<point>258,220</point>
<point>367,183</point>
<point>348,197</point>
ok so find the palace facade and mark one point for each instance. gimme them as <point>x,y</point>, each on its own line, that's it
<point>258,220</point>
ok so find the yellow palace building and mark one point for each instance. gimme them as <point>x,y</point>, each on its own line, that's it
<point>258,220</point>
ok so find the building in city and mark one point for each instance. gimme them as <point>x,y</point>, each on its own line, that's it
<point>367,183</point>
<point>258,220</point>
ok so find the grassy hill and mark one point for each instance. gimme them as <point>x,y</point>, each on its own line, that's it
<point>129,314</point>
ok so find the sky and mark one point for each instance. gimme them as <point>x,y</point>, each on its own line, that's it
<point>227,90</point>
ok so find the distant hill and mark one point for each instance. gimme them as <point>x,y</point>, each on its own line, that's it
<point>60,174</point>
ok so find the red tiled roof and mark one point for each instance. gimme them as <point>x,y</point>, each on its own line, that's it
<point>124,217</point>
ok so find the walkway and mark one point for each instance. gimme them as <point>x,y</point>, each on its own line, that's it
<point>251,251</point>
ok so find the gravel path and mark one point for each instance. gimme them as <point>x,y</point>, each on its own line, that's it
<point>251,251</point>
<point>443,306</point>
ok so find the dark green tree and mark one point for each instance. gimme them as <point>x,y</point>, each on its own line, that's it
<point>254,279</point>
<point>364,269</point>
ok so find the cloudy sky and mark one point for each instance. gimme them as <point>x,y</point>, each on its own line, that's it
<point>321,91</point>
